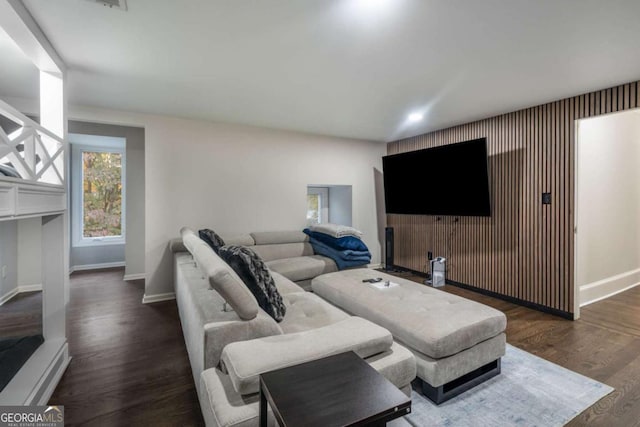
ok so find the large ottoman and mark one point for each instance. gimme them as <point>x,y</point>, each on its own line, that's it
<point>457,343</point>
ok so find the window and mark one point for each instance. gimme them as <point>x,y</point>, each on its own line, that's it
<point>101,194</point>
<point>317,205</point>
<point>98,190</point>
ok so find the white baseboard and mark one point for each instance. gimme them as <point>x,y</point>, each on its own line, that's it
<point>375,266</point>
<point>96,266</point>
<point>30,288</point>
<point>610,286</point>
<point>6,297</point>
<point>137,276</point>
<point>15,291</point>
<point>150,299</point>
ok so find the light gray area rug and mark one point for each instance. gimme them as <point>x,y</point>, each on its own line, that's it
<point>530,391</point>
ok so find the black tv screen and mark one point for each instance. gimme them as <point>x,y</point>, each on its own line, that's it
<point>447,180</point>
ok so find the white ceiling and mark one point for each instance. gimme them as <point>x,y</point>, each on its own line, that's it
<point>352,68</point>
<point>19,77</point>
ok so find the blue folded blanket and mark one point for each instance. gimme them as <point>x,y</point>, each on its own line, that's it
<point>345,254</point>
<point>339,243</point>
<point>343,259</point>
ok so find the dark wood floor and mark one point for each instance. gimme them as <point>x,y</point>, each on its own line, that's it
<point>130,365</point>
<point>21,316</point>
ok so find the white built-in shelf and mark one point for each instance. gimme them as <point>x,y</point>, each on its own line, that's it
<point>36,151</point>
<point>23,199</point>
<point>37,155</point>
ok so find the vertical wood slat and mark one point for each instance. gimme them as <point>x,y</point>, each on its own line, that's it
<point>525,250</point>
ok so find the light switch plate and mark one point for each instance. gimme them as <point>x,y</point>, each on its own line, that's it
<point>4,271</point>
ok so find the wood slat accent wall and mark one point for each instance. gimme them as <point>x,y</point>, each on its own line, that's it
<point>525,250</point>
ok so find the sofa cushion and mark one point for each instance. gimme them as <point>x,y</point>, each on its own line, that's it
<point>246,360</point>
<point>396,364</point>
<point>220,276</point>
<point>257,277</point>
<point>308,311</point>
<point>284,285</point>
<point>305,284</point>
<point>303,267</point>
<point>283,250</point>
<point>223,406</point>
<point>239,239</point>
<point>211,238</point>
<point>278,237</point>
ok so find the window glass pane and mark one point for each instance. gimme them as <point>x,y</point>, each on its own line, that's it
<point>102,194</point>
<point>313,209</point>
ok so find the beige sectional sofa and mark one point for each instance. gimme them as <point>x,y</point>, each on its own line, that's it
<point>230,340</point>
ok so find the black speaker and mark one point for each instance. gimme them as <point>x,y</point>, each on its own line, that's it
<point>388,248</point>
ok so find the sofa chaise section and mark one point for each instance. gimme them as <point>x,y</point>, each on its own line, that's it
<point>223,406</point>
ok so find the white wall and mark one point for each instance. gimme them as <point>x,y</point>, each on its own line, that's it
<point>21,252</point>
<point>237,179</point>
<point>30,252</point>
<point>99,256</point>
<point>135,246</point>
<point>8,257</point>
<point>608,205</point>
<point>340,205</point>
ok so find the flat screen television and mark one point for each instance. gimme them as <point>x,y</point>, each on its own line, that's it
<point>447,180</point>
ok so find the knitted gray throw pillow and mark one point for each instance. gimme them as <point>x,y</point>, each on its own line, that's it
<point>256,276</point>
<point>211,238</point>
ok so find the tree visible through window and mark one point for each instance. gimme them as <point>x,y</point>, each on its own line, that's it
<point>313,209</point>
<point>102,194</point>
<point>317,205</point>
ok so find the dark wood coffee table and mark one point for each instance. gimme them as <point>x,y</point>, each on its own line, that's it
<point>340,390</point>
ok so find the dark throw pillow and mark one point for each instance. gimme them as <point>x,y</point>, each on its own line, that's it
<point>211,238</point>
<point>256,276</point>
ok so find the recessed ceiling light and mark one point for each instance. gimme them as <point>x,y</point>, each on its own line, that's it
<point>415,117</point>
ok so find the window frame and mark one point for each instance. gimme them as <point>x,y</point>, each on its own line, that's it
<point>323,202</point>
<point>94,145</point>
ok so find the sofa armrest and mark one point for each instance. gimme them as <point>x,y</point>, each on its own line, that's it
<point>245,361</point>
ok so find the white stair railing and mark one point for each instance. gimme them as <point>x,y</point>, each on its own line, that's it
<point>36,153</point>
